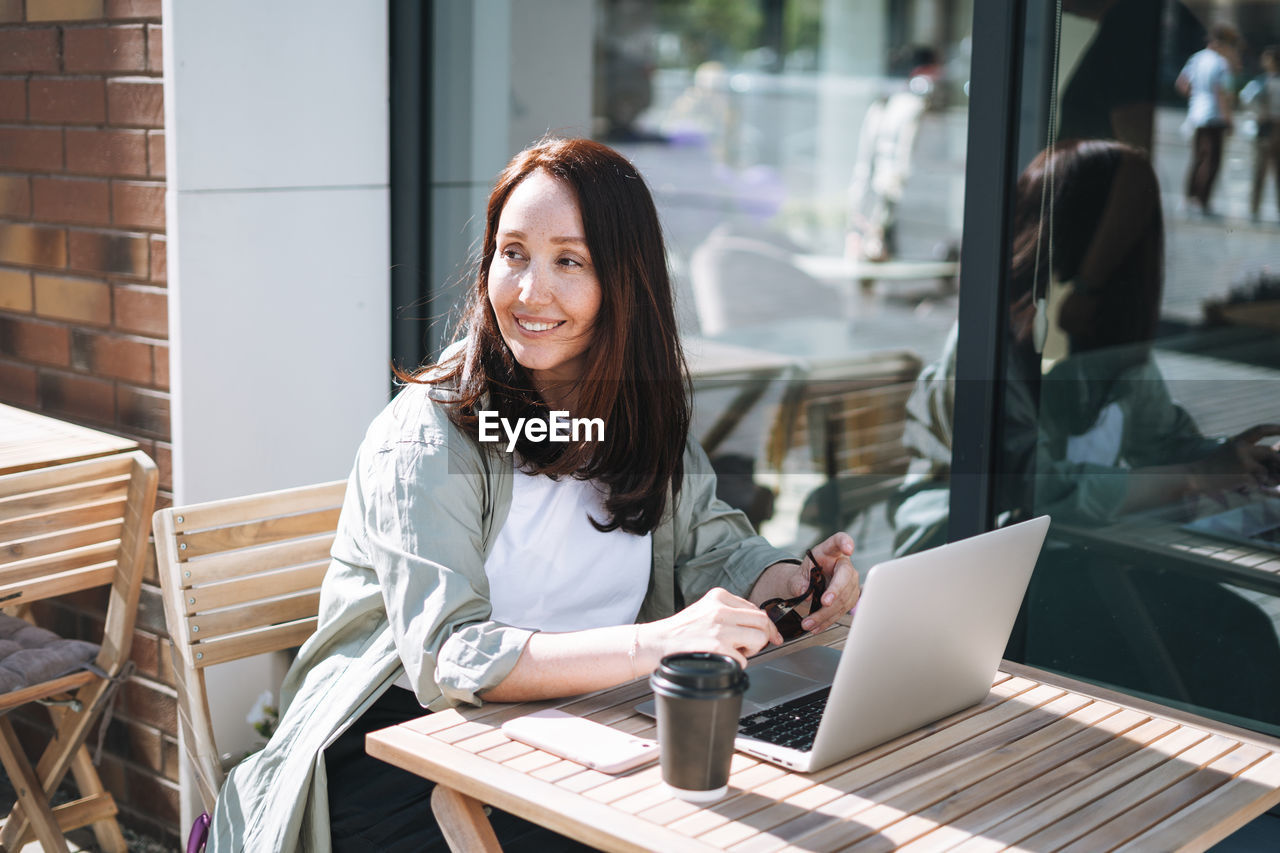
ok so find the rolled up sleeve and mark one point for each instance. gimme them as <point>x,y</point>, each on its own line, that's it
<point>425,520</point>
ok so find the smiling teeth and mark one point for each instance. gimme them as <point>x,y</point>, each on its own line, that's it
<point>536,327</point>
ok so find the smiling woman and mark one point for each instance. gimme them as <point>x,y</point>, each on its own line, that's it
<point>462,573</point>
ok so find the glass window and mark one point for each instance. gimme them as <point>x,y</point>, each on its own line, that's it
<point>1140,395</point>
<point>807,159</point>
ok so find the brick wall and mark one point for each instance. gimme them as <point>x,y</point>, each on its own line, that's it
<point>83,319</point>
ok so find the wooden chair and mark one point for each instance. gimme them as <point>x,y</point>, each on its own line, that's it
<point>850,415</point>
<point>64,529</point>
<point>240,577</point>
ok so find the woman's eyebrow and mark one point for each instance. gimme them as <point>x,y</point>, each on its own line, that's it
<point>520,235</point>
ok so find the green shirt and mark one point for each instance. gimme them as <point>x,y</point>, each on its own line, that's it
<point>406,592</point>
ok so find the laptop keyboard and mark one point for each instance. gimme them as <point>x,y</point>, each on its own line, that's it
<point>793,724</point>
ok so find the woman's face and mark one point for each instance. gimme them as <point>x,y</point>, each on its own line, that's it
<point>542,284</point>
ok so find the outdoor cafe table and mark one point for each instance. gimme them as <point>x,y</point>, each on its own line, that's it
<point>29,440</point>
<point>1043,763</point>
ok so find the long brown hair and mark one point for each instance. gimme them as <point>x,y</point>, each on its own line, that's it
<point>1084,185</point>
<point>635,379</point>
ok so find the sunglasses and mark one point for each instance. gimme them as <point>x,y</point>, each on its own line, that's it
<point>782,611</point>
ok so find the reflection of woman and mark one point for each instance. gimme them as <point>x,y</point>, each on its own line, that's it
<point>462,573</point>
<point>1110,439</point>
<point>1099,434</point>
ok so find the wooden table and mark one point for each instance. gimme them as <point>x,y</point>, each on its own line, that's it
<point>29,440</point>
<point>1043,763</point>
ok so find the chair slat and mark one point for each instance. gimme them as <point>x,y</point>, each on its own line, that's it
<point>52,543</point>
<point>245,590</point>
<point>46,500</point>
<point>62,518</point>
<point>206,626</point>
<point>61,561</point>
<point>45,688</point>
<point>27,482</point>
<point>271,639</point>
<point>267,505</point>
<point>257,532</point>
<point>71,580</point>
<point>237,564</point>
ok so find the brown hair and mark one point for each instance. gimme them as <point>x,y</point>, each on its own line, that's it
<point>1084,182</point>
<point>635,379</point>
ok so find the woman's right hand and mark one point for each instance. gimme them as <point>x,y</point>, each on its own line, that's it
<point>719,622</point>
<point>1240,463</point>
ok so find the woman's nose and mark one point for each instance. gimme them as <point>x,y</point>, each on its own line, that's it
<point>535,286</point>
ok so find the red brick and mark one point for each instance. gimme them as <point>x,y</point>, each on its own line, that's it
<point>143,310</point>
<point>15,196</point>
<point>161,367</point>
<point>108,252</point>
<point>145,653</point>
<point>147,702</point>
<point>155,153</point>
<point>164,461</point>
<point>143,411</point>
<point>159,260</point>
<point>66,101</point>
<point>133,9</point>
<point>30,50</point>
<point>83,201</point>
<point>64,10</point>
<point>15,291</point>
<point>13,99</point>
<point>30,150</point>
<point>137,205</point>
<point>28,340</point>
<point>158,797</point>
<point>32,245</point>
<point>111,356</point>
<point>78,397</point>
<point>117,153</point>
<point>169,759</point>
<point>104,49</point>
<point>10,11</point>
<point>155,48</point>
<point>77,300</point>
<point>135,102</point>
<point>18,384</point>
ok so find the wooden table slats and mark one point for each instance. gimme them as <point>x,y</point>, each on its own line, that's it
<point>1041,764</point>
<point>29,440</point>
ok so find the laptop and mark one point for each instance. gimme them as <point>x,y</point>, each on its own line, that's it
<point>1256,524</point>
<point>927,637</point>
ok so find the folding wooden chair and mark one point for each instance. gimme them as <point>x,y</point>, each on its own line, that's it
<point>64,529</point>
<point>240,577</point>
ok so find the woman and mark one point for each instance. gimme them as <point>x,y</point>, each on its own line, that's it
<point>463,573</point>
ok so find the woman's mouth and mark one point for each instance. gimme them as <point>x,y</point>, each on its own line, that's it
<point>538,325</point>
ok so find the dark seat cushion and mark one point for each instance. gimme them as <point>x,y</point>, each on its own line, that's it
<point>30,655</point>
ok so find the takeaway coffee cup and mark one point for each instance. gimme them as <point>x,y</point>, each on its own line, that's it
<point>698,698</point>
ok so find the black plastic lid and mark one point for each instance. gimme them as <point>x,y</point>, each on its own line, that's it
<point>699,672</point>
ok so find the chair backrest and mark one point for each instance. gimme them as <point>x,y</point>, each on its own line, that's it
<point>77,526</point>
<point>240,577</point>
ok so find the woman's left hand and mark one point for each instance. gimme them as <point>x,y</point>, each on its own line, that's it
<point>843,588</point>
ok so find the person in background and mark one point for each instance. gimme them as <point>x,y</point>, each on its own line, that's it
<point>1206,82</point>
<point>1263,95</point>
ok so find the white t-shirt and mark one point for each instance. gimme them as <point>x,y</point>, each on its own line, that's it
<point>551,570</point>
<point>1208,73</point>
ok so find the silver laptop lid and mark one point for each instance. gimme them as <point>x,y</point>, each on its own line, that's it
<point>927,637</point>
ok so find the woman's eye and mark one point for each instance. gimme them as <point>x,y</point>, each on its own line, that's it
<point>512,254</point>
<point>571,262</point>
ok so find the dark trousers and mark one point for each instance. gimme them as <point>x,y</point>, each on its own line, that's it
<point>1266,157</point>
<point>376,807</point>
<point>1206,158</point>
